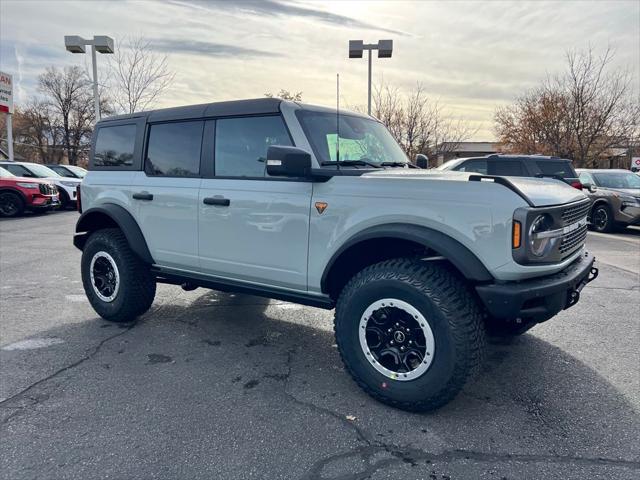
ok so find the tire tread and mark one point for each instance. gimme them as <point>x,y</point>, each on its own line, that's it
<point>451,295</point>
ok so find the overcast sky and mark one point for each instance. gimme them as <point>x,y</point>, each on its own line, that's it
<point>473,56</point>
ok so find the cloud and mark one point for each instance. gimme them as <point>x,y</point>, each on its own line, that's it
<point>211,49</point>
<point>280,8</point>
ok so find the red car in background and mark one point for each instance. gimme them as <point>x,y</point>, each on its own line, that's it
<point>18,194</point>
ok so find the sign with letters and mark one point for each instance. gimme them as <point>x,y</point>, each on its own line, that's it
<point>6,93</point>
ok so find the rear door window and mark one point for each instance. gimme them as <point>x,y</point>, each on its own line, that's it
<point>507,168</point>
<point>174,149</point>
<point>562,169</point>
<point>115,146</point>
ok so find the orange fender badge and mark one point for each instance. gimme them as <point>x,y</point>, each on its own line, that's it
<point>321,207</point>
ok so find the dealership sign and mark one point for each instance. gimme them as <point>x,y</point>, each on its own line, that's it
<point>635,163</point>
<point>6,93</point>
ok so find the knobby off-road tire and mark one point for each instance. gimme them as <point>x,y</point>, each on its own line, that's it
<point>437,294</point>
<point>107,250</point>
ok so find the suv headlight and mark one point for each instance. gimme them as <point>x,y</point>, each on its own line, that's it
<point>541,236</point>
<point>69,184</point>
<point>629,201</point>
<point>28,185</point>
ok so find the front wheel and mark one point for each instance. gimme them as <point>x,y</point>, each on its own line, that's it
<point>410,333</point>
<point>11,204</point>
<point>602,219</point>
<point>118,284</point>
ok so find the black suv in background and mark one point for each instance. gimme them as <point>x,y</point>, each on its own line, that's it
<point>517,166</point>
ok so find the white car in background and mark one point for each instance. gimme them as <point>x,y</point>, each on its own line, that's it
<point>66,186</point>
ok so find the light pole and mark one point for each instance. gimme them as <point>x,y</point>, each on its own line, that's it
<point>356,49</point>
<point>101,44</point>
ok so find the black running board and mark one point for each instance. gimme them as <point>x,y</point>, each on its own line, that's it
<point>173,277</point>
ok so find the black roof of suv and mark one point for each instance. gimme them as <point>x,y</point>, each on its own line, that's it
<point>517,166</point>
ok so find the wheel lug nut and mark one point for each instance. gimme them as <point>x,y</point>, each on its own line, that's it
<point>391,343</point>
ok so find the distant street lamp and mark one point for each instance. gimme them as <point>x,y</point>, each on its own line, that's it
<point>356,49</point>
<point>100,43</point>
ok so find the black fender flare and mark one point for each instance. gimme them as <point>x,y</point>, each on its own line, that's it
<point>459,255</point>
<point>93,219</point>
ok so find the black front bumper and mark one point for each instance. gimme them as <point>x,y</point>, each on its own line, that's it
<point>538,299</point>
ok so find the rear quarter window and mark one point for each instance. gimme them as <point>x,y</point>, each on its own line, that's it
<point>115,146</point>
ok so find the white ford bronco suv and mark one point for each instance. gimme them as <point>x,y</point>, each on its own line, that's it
<point>297,202</point>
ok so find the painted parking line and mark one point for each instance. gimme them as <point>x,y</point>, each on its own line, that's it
<point>33,343</point>
<point>76,298</point>
<point>612,236</point>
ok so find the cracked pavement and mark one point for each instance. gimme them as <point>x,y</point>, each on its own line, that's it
<point>213,385</point>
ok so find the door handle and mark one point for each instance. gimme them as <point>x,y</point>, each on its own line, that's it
<point>142,196</point>
<point>221,201</point>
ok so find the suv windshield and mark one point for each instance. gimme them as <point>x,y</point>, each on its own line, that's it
<point>617,179</point>
<point>79,171</point>
<point>361,139</point>
<point>40,170</point>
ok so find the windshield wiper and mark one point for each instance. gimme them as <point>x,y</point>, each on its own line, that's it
<point>398,164</point>
<point>351,163</point>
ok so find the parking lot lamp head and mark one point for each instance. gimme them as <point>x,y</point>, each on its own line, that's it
<point>100,44</point>
<point>356,50</point>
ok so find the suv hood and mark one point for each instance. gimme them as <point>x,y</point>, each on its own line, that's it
<point>541,192</point>
<point>634,192</point>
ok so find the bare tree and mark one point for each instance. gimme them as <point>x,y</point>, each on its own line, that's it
<point>418,123</point>
<point>138,75</point>
<point>69,96</point>
<point>286,95</point>
<point>580,114</point>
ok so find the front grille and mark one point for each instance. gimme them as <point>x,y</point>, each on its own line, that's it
<point>574,239</point>
<point>575,213</point>
<point>47,189</point>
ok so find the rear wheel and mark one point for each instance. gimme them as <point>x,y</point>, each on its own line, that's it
<point>602,218</point>
<point>117,283</point>
<point>11,204</point>
<point>410,333</point>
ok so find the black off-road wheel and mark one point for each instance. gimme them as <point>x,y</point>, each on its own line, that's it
<point>410,333</point>
<point>602,218</point>
<point>118,284</point>
<point>11,204</point>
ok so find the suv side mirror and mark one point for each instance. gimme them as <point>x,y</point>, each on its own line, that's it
<point>422,161</point>
<point>288,162</point>
<point>589,186</point>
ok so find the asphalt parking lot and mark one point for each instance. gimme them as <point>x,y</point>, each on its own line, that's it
<point>212,385</point>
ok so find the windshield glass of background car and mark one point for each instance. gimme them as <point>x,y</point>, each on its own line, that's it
<point>63,172</point>
<point>79,171</point>
<point>360,138</point>
<point>5,173</point>
<point>41,171</point>
<point>617,179</point>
